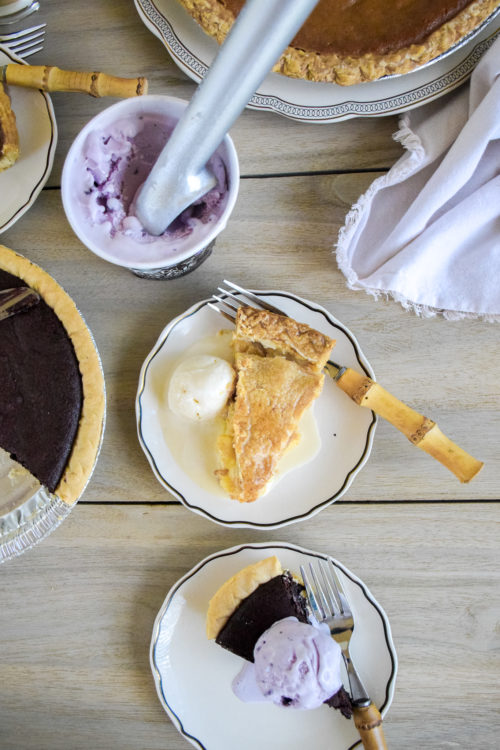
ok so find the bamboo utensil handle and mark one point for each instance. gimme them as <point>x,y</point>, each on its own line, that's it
<point>368,722</point>
<point>50,78</point>
<point>421,431</point>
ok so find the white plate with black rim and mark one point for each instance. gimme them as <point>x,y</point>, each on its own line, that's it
<point>309,101</point>
<point>344,429</point>
<point>36,125</point>
<point>193,675</point>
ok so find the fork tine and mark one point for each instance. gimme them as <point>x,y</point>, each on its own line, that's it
<point>221,312</point>
<point>25,50</point>
<point>313,601</point>
<point>321,597</point>
<point>341,595</point>
<point>22,33</point>
<point>227,311</point>
<point>27,38</point>
<point>231,295</point>
<point>253,297</point>
<point>227,304</point>
<point>329,587</point>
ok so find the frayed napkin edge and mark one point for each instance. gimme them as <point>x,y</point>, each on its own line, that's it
<point>426,311</point>
<point>399,172</point>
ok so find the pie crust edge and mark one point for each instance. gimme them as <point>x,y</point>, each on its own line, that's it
<point>88,436</point>
<point>229,596</point>
<point>305,352</point>
<point>216,20</point>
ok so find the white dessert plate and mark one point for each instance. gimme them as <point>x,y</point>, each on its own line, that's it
<point>345,430</point>
<point>308,101</point>
<point>193,675</point>
<point>36,125</point>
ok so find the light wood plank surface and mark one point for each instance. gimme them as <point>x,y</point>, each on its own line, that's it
<point>292,251</point>
<point>76,612</point>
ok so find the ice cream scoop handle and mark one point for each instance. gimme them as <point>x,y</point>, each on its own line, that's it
<point>50,78</point>
<point>420,430</point>
<point>368,722</point>
<point>261,32</point>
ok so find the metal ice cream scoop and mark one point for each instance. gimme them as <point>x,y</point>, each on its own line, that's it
<point>179,177</point>
<point>16,300</point>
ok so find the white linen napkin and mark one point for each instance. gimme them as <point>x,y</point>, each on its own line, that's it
<point>427,233</point>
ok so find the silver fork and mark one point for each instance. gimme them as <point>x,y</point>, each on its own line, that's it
<point>330,605</point>
<point>420,430</point>
<point>26,41</point>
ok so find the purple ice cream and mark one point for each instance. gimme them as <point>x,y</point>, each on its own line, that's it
<point>114,164</point>
<point>296,665</point>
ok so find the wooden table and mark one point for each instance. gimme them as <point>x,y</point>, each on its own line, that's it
<point>77,612</point>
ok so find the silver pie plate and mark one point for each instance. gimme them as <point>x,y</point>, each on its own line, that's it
<point>29,512</point>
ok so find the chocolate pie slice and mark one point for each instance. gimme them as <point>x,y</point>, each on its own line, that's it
<point>247,604</point>
<point>51,384</point>
<point>351,41</point>
<point>278,366</point>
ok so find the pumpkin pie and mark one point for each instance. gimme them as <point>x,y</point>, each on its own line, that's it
<point>351,41</point>
<point>51,383</point>
<point>279,365</point>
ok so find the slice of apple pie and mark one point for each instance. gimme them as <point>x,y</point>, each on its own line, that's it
<point>279,365</point>
<point>9,139</point>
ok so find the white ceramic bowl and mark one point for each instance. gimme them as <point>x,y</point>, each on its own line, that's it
<point>147,261</point>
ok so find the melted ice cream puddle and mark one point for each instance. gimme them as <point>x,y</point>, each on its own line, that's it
<point>192,444</point>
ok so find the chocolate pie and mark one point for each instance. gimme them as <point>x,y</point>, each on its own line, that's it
<point>247,604</point>
<point>51,383</point>
<point>278,366</point>
<point>351,41</point>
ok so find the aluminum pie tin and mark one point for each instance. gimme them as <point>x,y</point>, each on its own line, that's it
<point>29,512</point>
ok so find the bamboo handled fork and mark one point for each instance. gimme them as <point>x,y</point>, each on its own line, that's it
<point>330,605</point>
<point>49,78</point>
<point>421,431</point>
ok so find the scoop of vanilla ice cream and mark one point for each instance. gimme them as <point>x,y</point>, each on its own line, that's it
<point>297,664</point>
<point>200,387</point>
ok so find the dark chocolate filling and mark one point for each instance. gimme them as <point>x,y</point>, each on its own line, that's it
<point>40,389</point>
<point>278,598</point>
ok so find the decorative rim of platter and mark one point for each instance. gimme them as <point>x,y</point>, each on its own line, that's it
<point>309,101</point>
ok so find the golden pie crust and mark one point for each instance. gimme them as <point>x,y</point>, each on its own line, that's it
<point>88,437</point>
<point>230,595</point>
<point>216,20</point>
<point>9,138</point>
<point>278,366</point>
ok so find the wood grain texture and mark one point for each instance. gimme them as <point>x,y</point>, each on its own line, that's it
<point>77,615</point>
<point>290,251</point>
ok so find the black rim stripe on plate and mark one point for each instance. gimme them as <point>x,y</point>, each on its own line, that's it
<point>387,105</point>
<point>254,524</point>
<point>26,204</point>
<point>292,548</point>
